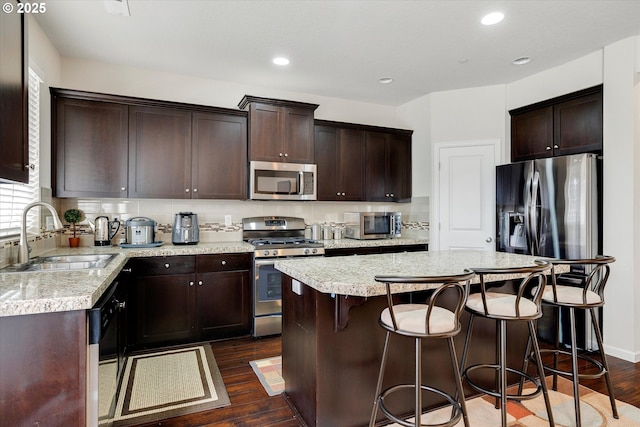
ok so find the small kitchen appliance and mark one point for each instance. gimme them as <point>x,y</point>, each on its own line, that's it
<point>185,229</point>
<point>104,230</point>
<point>140,230</point>
<point>273,237</point>
<point>373,225</point>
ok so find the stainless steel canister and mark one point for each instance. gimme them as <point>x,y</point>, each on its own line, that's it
<point>316,231</point>
<point>327,232</point>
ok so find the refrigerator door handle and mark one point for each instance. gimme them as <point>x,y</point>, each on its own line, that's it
<point>527,214</point>
<point>534,212</point>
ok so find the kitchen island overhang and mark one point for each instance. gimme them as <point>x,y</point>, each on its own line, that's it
<point>332,343</point>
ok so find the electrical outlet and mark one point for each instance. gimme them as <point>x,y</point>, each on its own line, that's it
<point>227,220</point>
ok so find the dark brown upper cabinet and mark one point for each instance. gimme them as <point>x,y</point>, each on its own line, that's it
<point>112,146</point>
<point>280,130</point>
<point>90,148</point>
<point>568,124</point>
<point>14,102</point>
<point>339,155</point>
<point>388,166</point>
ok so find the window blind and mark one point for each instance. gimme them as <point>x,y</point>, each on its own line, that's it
<point>14,197</point>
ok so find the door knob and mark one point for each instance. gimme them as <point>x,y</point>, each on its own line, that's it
<point>489,240</point>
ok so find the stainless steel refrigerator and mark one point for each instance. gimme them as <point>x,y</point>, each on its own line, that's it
<point>553,208</point>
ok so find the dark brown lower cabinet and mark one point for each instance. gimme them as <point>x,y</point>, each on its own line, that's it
<point>181,299</point>
<point>43,360</point>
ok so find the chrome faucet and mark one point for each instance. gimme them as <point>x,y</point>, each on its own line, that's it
<point>23,249</point>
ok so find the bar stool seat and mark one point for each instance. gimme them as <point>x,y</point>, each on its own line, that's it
<point>524,305</point>
<point>432,320</point>
<point>588,296</point>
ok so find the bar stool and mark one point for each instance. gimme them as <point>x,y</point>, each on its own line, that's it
<point>423,321</point>
<point>521,306</point>
<point>588,296</point>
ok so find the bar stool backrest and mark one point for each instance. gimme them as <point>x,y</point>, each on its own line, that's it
<point>595,281</point>
<point>459,283</point>
<point>527,289</point>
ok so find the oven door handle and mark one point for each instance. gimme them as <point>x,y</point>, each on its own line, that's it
<point>260,262</point>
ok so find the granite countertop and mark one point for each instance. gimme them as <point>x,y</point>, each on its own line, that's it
<point>51,291</point>
<point>354,275</point>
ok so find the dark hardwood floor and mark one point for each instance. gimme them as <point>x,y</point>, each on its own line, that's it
<point>251,406</point>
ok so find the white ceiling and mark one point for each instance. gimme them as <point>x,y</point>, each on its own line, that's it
<point>341,48</point>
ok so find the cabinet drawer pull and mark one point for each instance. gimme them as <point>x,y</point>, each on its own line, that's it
<point>223,262</point>
<point>167,265</point>
<point>199,282</point>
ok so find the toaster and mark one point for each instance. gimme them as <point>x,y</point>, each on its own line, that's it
<point>185,229</point>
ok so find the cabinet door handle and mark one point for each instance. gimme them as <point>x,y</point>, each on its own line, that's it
<point>126,270</point>
<point>190,283</point>
<point>186,190</point>
<point>223,262</point>
<point>123,188</point>
<point>342,194</point>
<point>167,265</point>
<point>556,146</point>
<point>199,282</point>
<point>391,195</point>
<point>338,193</point>
<point>195,190</point>
<point>286,154</point>
<point>280,154</point>
<point>548,148</point>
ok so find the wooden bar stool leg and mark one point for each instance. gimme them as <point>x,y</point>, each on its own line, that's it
<point>607,378</point>
<point>383,363</point>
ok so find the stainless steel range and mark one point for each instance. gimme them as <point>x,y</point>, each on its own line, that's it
<point>273,237</point>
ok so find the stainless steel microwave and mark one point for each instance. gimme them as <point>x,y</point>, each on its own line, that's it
<point>282,181</point>
<point>373,225</point>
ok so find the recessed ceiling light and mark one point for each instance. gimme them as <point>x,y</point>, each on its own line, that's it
<point>281,61</point>
<point>492,18</point>
<point>385,80</point>
<point>521,61</point>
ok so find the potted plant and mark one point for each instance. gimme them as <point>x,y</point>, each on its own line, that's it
<point>73,216</point>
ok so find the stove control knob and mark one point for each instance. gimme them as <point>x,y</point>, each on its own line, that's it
<point>306,251</point>
<point>275,252</point>
<point>266,253</point>
<point>314,250</point>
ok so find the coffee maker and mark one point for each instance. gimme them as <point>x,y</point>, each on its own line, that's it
<point>185,229</point>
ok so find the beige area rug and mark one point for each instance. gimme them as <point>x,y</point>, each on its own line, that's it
<point>169,383</point>
<point>595,410</point>
<point>269,372</point>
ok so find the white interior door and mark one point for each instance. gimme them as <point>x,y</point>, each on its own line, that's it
<point>465,199</point>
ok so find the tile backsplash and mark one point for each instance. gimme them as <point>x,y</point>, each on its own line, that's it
<point>211,218</point>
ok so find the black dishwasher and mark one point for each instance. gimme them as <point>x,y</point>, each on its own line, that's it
<point>106,354</point>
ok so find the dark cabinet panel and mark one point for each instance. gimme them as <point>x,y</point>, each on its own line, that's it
<point>165,309</point>
<point>14,109</point>
<point>219,156</point>
<point>223,304</point>
<point>578,125</point>
<point>159,152</point>
<point>90,146</point>
<point>375,167</point>
<point>568,124</point>
<point>339,155</point>
<point>398,174</point>
<point>280,130</point>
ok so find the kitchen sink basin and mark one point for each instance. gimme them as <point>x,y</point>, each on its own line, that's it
<point>63,262</point>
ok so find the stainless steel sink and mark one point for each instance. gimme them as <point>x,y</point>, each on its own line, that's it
<point>63,262</point>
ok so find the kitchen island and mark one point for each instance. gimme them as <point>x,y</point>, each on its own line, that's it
<point>332,343</point>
